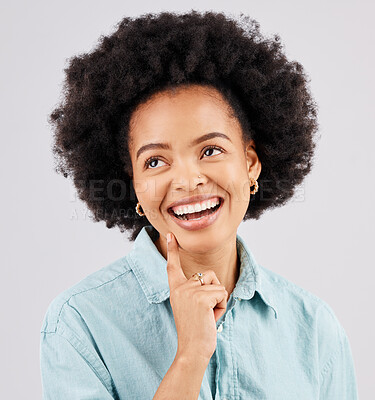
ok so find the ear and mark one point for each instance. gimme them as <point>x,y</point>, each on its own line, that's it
<point>254,166</point>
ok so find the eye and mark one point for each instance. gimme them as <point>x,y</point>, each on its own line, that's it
<point>157,158</point>
<point>213,148</point>
<point>150,160</point>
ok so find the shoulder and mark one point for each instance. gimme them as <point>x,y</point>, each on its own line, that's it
<point>94,285</point>
<point>310,317</point>
<point>289,295</point>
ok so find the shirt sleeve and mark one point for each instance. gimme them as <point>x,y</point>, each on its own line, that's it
<point>69,370</point>
<point>338,379</point>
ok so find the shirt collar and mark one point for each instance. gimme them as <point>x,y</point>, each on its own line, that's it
<point>150,269</point>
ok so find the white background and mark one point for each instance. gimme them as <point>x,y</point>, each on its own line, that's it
<point>323,240</point>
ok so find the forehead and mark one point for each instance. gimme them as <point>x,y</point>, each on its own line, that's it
<point>182,111</point>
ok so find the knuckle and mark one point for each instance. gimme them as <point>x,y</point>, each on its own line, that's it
<point>181,290</point>
<point>199,299</point>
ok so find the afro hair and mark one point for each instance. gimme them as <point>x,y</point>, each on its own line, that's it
<point>155,52</point>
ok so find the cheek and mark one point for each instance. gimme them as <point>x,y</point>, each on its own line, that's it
<point>234,180</point>
<point>140,185</point>
<point>154,191</point>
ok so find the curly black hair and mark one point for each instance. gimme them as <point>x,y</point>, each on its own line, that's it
<point>156,52</point>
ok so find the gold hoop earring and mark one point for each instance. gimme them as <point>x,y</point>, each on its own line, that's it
<point>138,210</point>
<point>254,182</point>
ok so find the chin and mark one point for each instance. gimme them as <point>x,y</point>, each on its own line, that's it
<point>193,242</point>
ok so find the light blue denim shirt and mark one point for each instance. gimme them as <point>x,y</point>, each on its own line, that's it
<point>113,336</point>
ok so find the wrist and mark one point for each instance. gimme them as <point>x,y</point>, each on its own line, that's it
<point>192,359</point>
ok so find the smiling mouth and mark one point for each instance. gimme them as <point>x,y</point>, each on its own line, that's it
<point>196,215</point>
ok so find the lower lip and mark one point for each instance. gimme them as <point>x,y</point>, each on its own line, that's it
<point>194,225</point>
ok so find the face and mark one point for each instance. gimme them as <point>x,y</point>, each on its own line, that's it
<point>167,171</point>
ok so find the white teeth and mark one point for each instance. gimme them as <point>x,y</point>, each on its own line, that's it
<point>192,208</point>
<point>197,208</point>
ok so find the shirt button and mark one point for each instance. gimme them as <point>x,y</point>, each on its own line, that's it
<point>219,329</point>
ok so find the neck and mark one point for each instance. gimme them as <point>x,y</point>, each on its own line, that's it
<point>224,261</point>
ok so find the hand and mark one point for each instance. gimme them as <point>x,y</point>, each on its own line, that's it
<point>196,307</point>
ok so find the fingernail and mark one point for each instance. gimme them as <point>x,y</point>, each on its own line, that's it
<point>169,237</point>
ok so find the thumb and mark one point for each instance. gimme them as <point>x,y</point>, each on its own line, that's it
<point>176,276</point>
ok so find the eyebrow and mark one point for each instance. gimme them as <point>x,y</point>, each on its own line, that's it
<point>166,146</point>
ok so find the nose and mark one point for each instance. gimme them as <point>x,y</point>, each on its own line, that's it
<point>187,178</point>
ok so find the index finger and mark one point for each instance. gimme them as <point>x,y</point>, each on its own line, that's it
<point>176,276</point>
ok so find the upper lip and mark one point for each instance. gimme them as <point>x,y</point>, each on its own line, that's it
<point>192,199</point>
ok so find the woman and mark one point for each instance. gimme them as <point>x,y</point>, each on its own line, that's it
<point>179,127</point>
